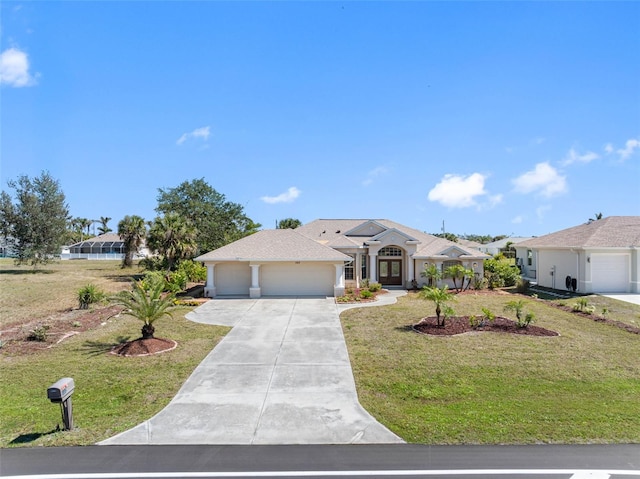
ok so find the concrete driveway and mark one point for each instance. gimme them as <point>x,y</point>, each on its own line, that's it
<point>281,376</point>
<point>632,298</point>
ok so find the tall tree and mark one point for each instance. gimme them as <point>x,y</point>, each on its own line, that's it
<point>289,223</point>
<point>216,220</point>
<point>174,237</point>
<point>104,225</point>
<point>132,231</point>
<point>36,223</point>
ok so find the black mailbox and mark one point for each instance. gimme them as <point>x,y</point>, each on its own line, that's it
<point>61,390</point>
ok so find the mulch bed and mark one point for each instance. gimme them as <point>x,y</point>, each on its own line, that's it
<point>144,347</point>
<point>600,319</point>
<point>460,325</point>
<point>60,326</point>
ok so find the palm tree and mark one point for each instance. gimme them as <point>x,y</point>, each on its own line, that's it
<point>146,305</point>
<point>104,227</point>
<point>433,275</point>
<point>440,296</point>
<point>132,231</point>
<point>469,275</point>
<point>174,237</point>
<point>516,306</point>
<point>456,272</point>
<point>291,223</point>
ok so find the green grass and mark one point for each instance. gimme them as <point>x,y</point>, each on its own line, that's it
<point>486,388</point>
<point>112,393</point>
<point>616,310</point>
<point>27,293</point>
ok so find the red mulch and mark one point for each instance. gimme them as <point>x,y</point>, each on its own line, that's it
<point>460,325</point>
<point>144,347</point>
<point>618,324</point>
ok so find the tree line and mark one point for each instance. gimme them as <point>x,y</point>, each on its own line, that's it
<point>193,218</point>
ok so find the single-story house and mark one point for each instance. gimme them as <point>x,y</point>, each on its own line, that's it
<point>496,247</point>
<point>326,255</point>
<point>108,246</point>
<point>602,256</point>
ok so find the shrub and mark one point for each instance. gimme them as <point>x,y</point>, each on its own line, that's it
<point>176,282</point>
<point>500,273</point>
<point>582,305</point>
<point>89,294</point>
<point>366,294</point>
<point>39,333</point>
<point>522,286</point>
<point>375,287</point>
<point>195,272</point>
<point>153,263</point>
<point>364,283</point>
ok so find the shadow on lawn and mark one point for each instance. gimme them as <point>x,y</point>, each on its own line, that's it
<point>26,271</point>
<point>32,436</point>
<point>96,348</point>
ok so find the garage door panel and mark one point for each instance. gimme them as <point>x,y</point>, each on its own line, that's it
<point>610,273</point>
<point>290,279</point>
<point>233,278</point>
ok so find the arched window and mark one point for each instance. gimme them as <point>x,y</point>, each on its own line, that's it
<point>390,251</point>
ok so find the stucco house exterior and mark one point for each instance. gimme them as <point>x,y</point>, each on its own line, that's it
<point>326,255</point>
<point>598,257</point>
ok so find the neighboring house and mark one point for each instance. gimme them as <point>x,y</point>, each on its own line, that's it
<point>496,247</point>
<point>602,257</point>
<point>108,246</point>
<point>470,244</point>
<point>325,256</point>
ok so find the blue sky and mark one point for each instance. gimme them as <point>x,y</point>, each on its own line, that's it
<point>517,118</point>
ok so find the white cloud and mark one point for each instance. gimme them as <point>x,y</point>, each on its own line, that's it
<point>543,179</point>
<point>608,148</point>
<point>455,191</point>
<point>517,220</point>
<point>574,157</point>
<point>202,133</point>
<point>14,68</point>
<point>541,211</point>
<point>286,197</point>
<point>629,147</point>
<point>371,175</point>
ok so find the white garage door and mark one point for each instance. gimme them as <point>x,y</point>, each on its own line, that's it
<point>610,273</point>
<point>303,279</point>
<point>232,278</point>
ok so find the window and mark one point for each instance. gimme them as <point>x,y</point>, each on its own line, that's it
<point>390,251</point>
<point>529,257</point>
<point>348,269</point>
<point>448,264</point>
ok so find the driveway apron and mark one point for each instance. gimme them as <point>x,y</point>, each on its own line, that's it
<point>280,376</point>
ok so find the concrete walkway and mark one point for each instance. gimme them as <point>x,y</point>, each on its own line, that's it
<point>632,298</point>
<point>281,376</point>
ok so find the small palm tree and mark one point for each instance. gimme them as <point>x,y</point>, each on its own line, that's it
<point>440,296</point>
<point>517,306</point>
<point>433,275</point>
<point>456,272</point>
<point>147,305</point>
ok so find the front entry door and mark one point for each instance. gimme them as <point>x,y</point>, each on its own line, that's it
<point>390,271</point>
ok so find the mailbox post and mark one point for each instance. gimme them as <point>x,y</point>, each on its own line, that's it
<point>60,392</point>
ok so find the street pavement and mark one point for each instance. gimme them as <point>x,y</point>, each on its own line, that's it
<point>281,376</point>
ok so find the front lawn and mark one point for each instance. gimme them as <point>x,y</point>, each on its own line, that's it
<point>491,388</point>
<point>112,393</point>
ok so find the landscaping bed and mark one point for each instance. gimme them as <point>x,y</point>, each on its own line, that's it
<point>462,324</point>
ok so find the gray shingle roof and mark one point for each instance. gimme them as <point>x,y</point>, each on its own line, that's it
<point>610,232</point>
<point>274,245</point>
<point>331,233</point>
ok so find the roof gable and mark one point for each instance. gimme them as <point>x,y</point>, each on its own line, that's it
<point>367,229</point>
<point>392,231</point>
